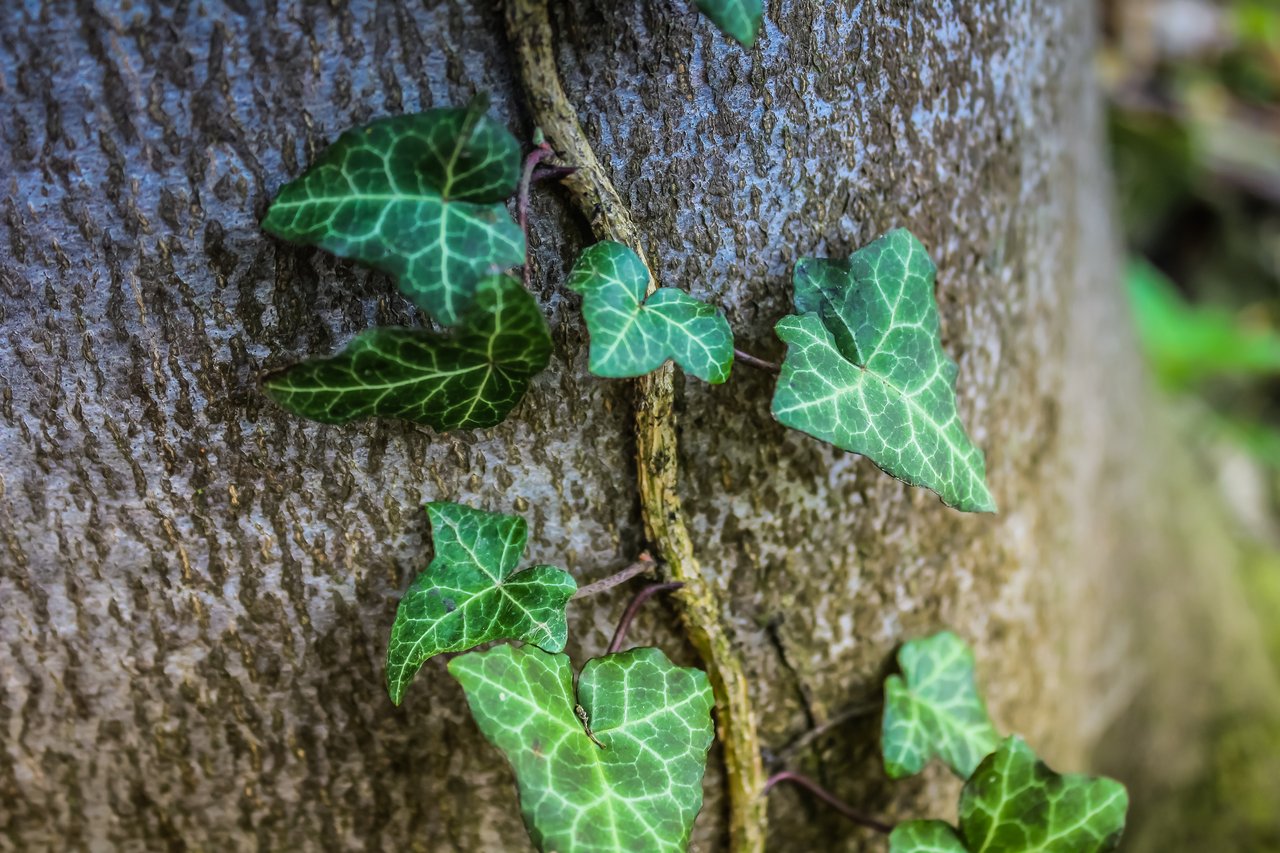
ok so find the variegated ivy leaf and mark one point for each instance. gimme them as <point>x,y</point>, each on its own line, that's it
<point>469,378</point>
<point>1014,803</point>
<point>934,708</point>
<point>471,594</point>
<point>925,836</point>
<point>632,335</point>
<point>626,774</point>
<point>739,19</point>
<point>865,369</point>
<point>418,196</point>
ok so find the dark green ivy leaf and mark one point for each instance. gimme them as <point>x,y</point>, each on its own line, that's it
<point>739,19</point>
<point>632,335</point>
<point>934,708</point>
<point>865,369</point>
<point>468,379</point>
<point>418,196</point>
<point>637,785</point>
<point>471,594</point>
<point>1014,803</point>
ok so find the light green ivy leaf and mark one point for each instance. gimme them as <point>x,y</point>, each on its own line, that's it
<point>471,594</point>
<point>739,19</point>
<point>417,196</point>
<point>632,335</point>
<point>467,379</point>
<point>925,836</point>
<point>639,787</point>
<point>865,369</point>
<point>934,708</point>
<point>1014,803</point>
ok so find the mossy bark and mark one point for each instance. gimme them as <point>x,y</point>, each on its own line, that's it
<point>196,589</point>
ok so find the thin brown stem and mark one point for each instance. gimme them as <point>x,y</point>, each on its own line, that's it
<point>642,566</point>
<point>829,798</point>
<point>758,363</point>
<point>637,601</point>
<point>531,161</point>
<point>657,451</point>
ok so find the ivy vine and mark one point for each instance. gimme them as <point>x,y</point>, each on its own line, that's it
<point>613,759</point>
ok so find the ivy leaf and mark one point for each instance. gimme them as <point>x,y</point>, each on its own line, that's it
<point>469,594</point>
<point>925,836</point>
<point>1014,803</point>
<point>865,369</point>
<point>417,196</point>
<point>934,708</point>
<point>739,19</point>
<point>469,379</point>
<point>640,787</point>
<point>632,335</point>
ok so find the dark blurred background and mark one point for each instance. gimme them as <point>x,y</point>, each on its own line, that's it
<point>1194,121</point>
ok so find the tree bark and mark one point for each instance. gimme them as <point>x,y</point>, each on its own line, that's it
<point>196,588</point>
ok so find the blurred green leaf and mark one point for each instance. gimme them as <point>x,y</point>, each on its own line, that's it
<point>1186,344</point>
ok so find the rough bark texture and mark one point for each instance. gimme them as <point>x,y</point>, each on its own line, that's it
<point>196,589</point>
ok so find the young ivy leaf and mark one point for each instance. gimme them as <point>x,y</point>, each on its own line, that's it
<point>632,335</point>
<point>468,379</point>
<point>934,708</point>
<point>739,19</point>
<point>865,369</point>
<point>1014,803</point>
<point>417,196</point>
<point>640,787</point>
<point>469,594</point>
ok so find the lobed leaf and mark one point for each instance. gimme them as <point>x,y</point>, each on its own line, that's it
<point>865,369</point>
<point>469,594</point>
<point>417,196</point>
<point>632,335</point>
<point>469,379</point>
<point>739,19</point>
<point>1014,803</point>
<point>934,708</point>
<point>640,788</point>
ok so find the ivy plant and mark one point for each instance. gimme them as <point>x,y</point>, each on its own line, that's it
<point>1013,803</point>
<point>739,19</point>
<point>632,335</point>
<point>934,708</point>
<point>418,196</point>
<point>614,759</point>
<point>468,378</point>
<point>619,766</point>
<point>865,369</point>
<point>471,593</point>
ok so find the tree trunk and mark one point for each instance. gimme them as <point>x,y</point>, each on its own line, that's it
<point>196,588</point>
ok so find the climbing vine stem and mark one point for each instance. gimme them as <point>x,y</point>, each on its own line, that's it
<point>529,28</point>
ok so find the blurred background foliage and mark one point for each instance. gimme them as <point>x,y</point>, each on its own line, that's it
<point>1194,122</point>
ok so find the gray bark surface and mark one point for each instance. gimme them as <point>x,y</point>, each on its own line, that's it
<point>196,589</point>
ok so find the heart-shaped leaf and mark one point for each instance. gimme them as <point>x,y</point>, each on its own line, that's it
<point>865,369</point>
<point>632,335</point>
<point>418,196</point>
<point>1014,803</point>
<point>739,19</point>
<point>469,379</point>
<point>629,776</point>
<point>471,594</point>
<point>934,708</point>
